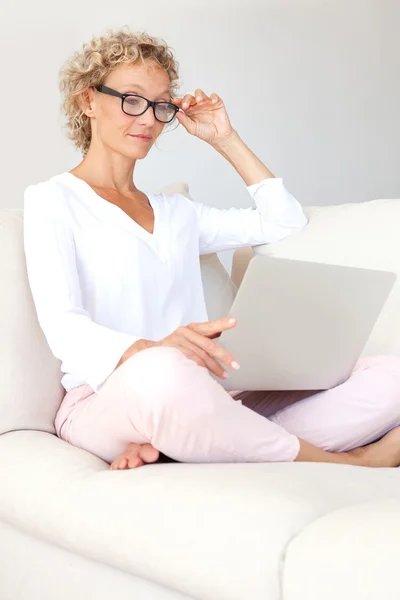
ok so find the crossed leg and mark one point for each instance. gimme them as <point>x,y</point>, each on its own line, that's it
<point>159,400</point>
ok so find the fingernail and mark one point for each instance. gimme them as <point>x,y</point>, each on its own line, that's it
<point>231,321</point>
<point>225,375</point>
<point>235,365</point>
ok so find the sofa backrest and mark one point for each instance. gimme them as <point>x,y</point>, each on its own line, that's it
<point>362,235</point>
<point>30,376</point>
<point>30,388</point>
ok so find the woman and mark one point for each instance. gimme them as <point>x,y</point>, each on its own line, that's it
<point>116,281</point>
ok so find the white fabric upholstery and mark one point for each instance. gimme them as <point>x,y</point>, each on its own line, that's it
<point>29,374</point>
<point>362,235</point>
<point>47,572</point>
<point>360,560</point>
<point>71,528</point>
<point>209,531</point>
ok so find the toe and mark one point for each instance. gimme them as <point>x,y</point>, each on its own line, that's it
<point>136,455</point>
<point>134,462</point>
<point>148,453</point>
<point>120,462</point>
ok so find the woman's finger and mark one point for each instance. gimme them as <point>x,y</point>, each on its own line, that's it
<point>188,101</point>
<point>200,96</point>
<point>186,121</point>
<point>211,328</point>
<point>212,348</point>
<point>214,98</point>
<point>186,351</point>
<point>205,359</point>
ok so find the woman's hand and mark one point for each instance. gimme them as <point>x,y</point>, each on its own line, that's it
<point>195,341</point>
<point>203,116</point>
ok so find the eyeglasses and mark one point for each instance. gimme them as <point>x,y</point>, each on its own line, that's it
<point>135,105</point>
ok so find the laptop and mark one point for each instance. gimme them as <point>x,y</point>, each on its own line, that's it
<point>301,325</point>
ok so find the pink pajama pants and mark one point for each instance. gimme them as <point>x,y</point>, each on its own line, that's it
<point>159,396</point>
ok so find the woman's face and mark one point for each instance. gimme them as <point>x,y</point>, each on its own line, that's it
<point>113,128</point>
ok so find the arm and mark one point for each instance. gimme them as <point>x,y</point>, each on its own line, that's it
<point>277,214</point>
<point>83,346</point>
<point>246,163</point>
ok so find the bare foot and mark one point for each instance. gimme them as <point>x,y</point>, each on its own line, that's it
<point>136,455</point>
<point>383,453</point>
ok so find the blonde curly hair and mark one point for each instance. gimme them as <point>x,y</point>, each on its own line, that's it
<point>90,66</point>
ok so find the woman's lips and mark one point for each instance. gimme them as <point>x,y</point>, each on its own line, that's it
<point>140,137</point>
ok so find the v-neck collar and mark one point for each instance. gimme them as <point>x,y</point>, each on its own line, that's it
<point>120,215</point>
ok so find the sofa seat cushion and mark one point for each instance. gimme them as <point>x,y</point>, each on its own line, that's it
<point>360,562</point>
<point>212,531</point>
<point>362,235</point>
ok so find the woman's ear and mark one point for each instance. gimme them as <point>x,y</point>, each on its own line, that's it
<point>85,102</point>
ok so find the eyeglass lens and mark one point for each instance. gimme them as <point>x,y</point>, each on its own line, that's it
<point>135,106</point>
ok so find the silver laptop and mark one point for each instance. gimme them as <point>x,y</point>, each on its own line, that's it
<point>301,325</point>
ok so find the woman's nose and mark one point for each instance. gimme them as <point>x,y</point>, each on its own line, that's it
<point>147,117</point>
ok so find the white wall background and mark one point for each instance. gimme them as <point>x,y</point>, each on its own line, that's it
<point>312,86</point>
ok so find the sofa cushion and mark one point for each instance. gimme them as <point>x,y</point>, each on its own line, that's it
<point>361,235</point>
<point>32,569</point>
<point>30,376</point>
<point>362,555</point>
<point>211,531</point>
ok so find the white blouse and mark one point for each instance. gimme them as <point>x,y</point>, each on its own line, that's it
<point>100,281</point>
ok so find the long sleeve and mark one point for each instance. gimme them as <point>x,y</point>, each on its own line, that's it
<point>276,215</point>
<point>84,347</point>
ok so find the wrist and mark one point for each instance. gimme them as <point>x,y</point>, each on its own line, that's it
<point>243,160</point>
<point>224,145</point>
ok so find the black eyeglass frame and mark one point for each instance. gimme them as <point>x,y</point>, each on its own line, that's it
<point>106,90</point>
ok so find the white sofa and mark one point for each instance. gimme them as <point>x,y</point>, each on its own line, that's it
<point>71,528</point>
